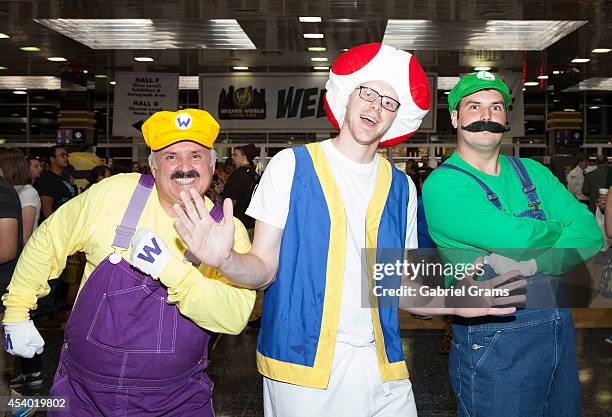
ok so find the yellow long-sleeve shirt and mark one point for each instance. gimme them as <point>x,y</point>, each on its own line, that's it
<point>88,222</point>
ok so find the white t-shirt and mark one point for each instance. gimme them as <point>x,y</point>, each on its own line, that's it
<point>575,180</point>
<point>29,198</point>
<point>356,183</point>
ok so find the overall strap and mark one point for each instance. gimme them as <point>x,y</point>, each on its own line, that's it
<point>493,198</point>
<point>125,231</point>
<point>529,188</point>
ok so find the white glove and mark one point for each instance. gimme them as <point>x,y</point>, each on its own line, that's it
<point>501,265</point>
<point>22,339</point>
<point>149,253</point>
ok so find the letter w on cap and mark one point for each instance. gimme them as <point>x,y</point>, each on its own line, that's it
<point>148,251</point>
<point>183,122</point>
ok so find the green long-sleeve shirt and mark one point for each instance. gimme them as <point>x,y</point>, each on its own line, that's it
<point>459,215</point>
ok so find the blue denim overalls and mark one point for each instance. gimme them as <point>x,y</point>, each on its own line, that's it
<point>518,365</point>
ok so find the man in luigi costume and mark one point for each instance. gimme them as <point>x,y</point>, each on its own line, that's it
<point>523,364</point>
<point>136,341</point>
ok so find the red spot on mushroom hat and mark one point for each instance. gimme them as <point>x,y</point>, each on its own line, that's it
<point>377,61</point>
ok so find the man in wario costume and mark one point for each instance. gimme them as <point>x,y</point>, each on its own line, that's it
<point>135,343</point>
<point>321,350</point>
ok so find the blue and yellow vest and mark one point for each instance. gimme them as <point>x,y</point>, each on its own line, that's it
<point>302,306</point>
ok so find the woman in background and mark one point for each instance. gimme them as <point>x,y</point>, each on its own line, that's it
<point>98,173</point>
<point>16,169</point>
<point>36,167</point>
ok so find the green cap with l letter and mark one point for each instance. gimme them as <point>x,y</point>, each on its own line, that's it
<point>481,80</point>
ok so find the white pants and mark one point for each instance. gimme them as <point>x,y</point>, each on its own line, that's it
<point>355,390</point>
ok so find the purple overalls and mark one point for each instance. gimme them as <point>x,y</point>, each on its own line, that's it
<point>127,352</point>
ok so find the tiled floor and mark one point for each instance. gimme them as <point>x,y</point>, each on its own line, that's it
<point>238,390</point>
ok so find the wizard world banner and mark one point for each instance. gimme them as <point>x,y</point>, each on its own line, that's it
<point>275,102</point>
<point>279,101</point>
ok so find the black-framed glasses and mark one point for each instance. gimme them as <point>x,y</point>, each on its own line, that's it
<point>387,103</point>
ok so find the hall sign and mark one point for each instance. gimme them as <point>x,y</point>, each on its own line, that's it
<point>140,94</point>
<point>273,102</point>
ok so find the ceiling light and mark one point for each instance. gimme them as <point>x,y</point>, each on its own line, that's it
<point>556,72</point>
<point>524,89</point>
<point>15,114</point>
<point>240,68</point>
<point>101,76</point>
<point>594,107</point>
<point>531,83</point>
<point>569,109</point>
<point>113,82</point>
<point>33,82</point>
<point>447,83</point>
<point>4,36</point>
<point>601,50</point>
<point>189,82</point>
<point>509,35</point>
<point>152,34</point>
<point>317,49</point>
<point>321,68</point>
<point>30,49</point>
<point>318,59</point>
<point>556,100</point>
<point>447,92</point>
<point>143,59</point>
<point>20,92</point>
<point>3,68</point>
<point>592,84</point>
<point>482,68</point>
<point>56,59</point>
<point>310,19</point>
<point>580,60</point>
<point>542,77</point>
<point>314,35</point>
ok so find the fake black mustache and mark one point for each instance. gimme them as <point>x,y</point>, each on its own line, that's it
<point>485,126</point>
<point>180,174</point>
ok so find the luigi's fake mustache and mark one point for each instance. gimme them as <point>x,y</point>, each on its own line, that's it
<point>485,126</point>
<point>181,174</point>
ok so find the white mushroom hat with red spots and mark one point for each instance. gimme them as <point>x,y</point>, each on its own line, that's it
<point>377,61</point>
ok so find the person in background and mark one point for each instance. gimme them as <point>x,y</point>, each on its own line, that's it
<point>595,180</point>
<point>11,244</point>
<point>69,177</point>
<point>412,169</point>
<point>54,191</point>
<point>603,201</point>
<point>51,187</point>
<point>17,171</point>
<point>241,184</point>
<point>11,231</point>
<point>36,168</point>
<point>98,173</point>
<point>136,167</point>
<point>575,179</point>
